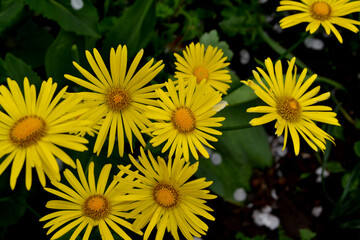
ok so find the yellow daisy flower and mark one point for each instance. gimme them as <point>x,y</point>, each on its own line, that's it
<point>185,119</point>
<point>290,106</point>
<point>321,12</point>
<point>120,97</point>
<point>87,204</point>
<point>208,66</point>
<point>165,198</point>
<point>33,129</point>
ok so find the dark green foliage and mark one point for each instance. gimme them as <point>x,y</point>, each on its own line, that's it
<point>40,39</point>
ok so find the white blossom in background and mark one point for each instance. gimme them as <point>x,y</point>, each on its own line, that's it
<point>60,163</point>
<point>316,211</point>
<point>276,145</point>
<point>244,56</point>
<point>209,150</point>
<point>279,173</point>
<point>216,158</point>
<point>277,28</point>
<point>263,217</point>
<point>263,1</point>
<point>250,205</point>
<point>358,75</point>
<point>77,4</point>
<point>240,195</point>
<point>220,106</point>
<point>274,194</point>
<point>314,43</point>
<point>197,238</point>
<point>269,18</point>
<point>266,209</point>
<point>318,173</point>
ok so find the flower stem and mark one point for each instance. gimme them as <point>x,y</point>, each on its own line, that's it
<point>294,46</point>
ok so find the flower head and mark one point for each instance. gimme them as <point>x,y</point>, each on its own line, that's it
<point>32,130</point>
<point>120,98</point>
<point>291,106</point>
<point>321,12</point>
<point>206,66</point>
<point>185,119</point>
<point>86,205</point>
<point>165,198</point>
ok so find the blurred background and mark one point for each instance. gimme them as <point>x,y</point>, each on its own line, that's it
<point>263,192</point>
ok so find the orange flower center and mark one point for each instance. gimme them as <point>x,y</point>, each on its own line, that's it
<point>166,195</point>
<point>289,109</point>
<point>117,99</point>
<point>27,131</point>
<point>183,120</point>
<point>96,207</point>
<point>200,73</point>
<point>320,10</point>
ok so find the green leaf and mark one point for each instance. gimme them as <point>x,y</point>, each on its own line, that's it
<point>306,234</point>
<point>29,48</point>
<point>212,38</point>
<point>12,202</point>
<point>163,10</point>
<point>334,167</point>
<point>241,236</point>
<point>134,28</point>
<point>59,57</point>
<point>339,133</point>
<point>282,235</point>
<point>241,151</point>
<point>3,72</point>
<point>17,70</point>
<point>357,148</point>
<point>240,95</point>
<point>345,180</point>
<point>82,22</point>
<point>9,12</point>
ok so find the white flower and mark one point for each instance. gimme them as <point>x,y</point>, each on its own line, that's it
<point>77,4</point>
<point>216,158</point>
<point>264,218</point>
<point>240,195</point>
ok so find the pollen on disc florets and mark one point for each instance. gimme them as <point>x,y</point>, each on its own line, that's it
<point>183,120</point>
<point>117,99</point>
<point>166,195</point>
<point>320,10</point>
<point>200,73</point>
<point>27,131</point>
<point>289,109</point>
<point>96,207</point>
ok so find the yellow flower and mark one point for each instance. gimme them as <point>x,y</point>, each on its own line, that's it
<point>32,130</point>
<point>185,119</point>
<point>205,66</point>
<point>321,12</point>
<point>86,204</point>
<point>290,106</point>
<point>164,197</point>
<point>120,99</point>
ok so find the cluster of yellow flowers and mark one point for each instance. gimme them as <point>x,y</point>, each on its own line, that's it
<point>178,114</point>
<point>34,130</point>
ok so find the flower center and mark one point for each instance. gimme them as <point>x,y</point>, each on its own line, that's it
<point>200,74</point>
<point>117,99</point>
<point>96,207</point>
<point>166,195</point>
<point>27,131</point>
<point>289,109</point>
<point>321,10</point>
<point>183,120</point>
